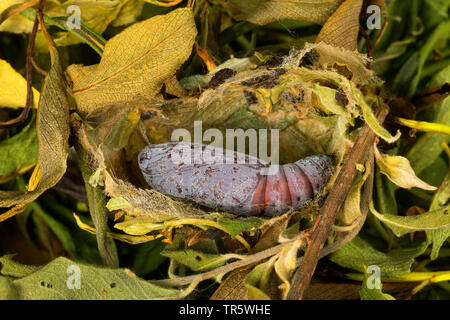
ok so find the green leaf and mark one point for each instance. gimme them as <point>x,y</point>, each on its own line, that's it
<point>401,225</point>
<point>427,149</point>
<point>351,209</point>
<point>236,226</point>
<point>59,229</point>
<point>385,193</point>
<point>5,288</point>
<point>196,260</point>
<point>97,209</point>
<point>372,294</point>
<point>439,34</point>
<point>8,267</point>
<point>358,252</point>
<point>434,12</point>
<point>19,153</point>
<point>286,264</point>
<point>58,281</point>
<point>148,257</point>
<point>440,199</point>
<point>372,120</point>
<point>257,281</point>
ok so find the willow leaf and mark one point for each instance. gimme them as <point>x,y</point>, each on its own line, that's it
<point>358,253</point>
<point>63,279</point>
<point>266,11</point>
<point>401,225</point>
<point>135,62</point>
<point>53,136</point>
<point>342,28</point>
<point>19,153</point>
<point>440,199</point>
<point>367,293</point>
<point>399,171</point>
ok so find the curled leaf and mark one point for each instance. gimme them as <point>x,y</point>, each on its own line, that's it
<point>372,121</point>
<point>53,136</point>
<point>257,281</point>
<point>342,28</point>
<point>399,171</point>
<point>286,264</point>
<point>358,253</point>
<point>401,225</point>
<point>351,209</point>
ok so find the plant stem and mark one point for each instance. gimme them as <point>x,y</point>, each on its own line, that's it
<point>334,201</point>
<point>87,35</point>
<point>97,208</point>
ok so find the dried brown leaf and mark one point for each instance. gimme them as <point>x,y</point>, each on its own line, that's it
<point>342,28</point>
<point>266,11</point>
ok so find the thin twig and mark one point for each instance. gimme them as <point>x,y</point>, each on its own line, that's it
<point>14,9</point>
<point>259,256</point>
<point>333,203</point>
<point>38,69</point>
<point>29,101</point>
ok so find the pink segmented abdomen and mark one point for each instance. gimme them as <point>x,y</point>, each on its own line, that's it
<point>226,184</point>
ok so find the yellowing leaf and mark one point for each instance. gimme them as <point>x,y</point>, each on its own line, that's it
<point>13,88</point>
<point>135,63</point>
<point>96,15</point>
<point>351,209</point>
<point>286,264</point>
<point>117,204</point>
<point>266,11</point>
<point>128,13</point>
<point>118,236</point>
<point>425,126</point>
<point>53,136</point>
<point>15,23</point>
<point>399,171</point>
